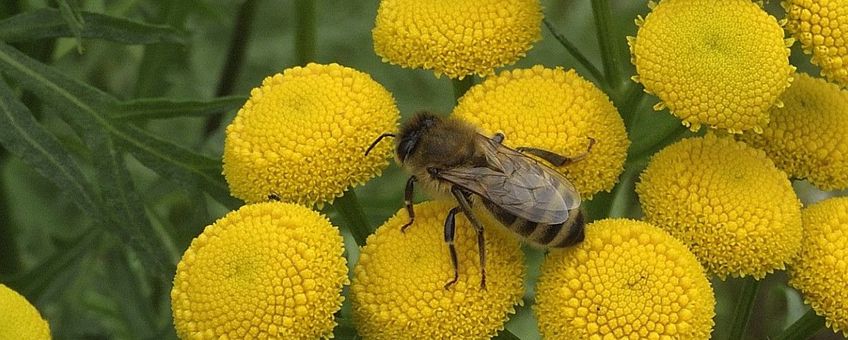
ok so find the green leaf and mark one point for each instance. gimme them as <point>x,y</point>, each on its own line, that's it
<point>23,136</point>
<point>50,23</point>
<point>178,164</point>
<point>123,204</point>
<point>158,108</point>
<point>84,106</point>
<point>73,18</point>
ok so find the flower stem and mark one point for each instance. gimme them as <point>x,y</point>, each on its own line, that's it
<point>808,325</point>
<point>460,86</point>
<point>606,39</point>
<point>743,308</point>
<point>574,51</point>
<point>305,39</point>
<point>351,211</point>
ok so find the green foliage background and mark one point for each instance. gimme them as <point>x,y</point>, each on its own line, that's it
<point>111,152</point>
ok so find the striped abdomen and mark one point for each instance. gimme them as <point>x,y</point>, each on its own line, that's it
<point>559,235</point>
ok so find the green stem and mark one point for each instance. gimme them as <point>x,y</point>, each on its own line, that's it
<point>460,86</point>
<point>574,51</point>
<point>607,41</point>
<point>804,328</point>
<point>674,133</point>
<point>351,211</point>
<point>629,103</point>
<point>235,59</point>
<point>305,39</point>
<point>744,306</point>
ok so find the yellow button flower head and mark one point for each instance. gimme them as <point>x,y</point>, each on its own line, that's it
<point>808,137</point>
<point>822,28</point>
<point>720,63</point>
<point>820,270</point>
<point>19,319</point>
<point>628,280</point>
<point>398,286</point>
<point>555,110</point>
<point>456,38</point>
<point>269,269</point>
<point>725,200</point>
<point>302,135</point>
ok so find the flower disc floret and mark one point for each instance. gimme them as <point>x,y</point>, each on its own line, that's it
<point>456,38</point>
<point>719,63</point>
<point>302,135</point>
<point>820,270</point>
<point>627,280</point>
<point>822,28</point>
<point>808,136</point>
<point>268,270</point>
<point>19,319</point>
<point>725,200</point>
<point>398,289</point>
<point>554,110</point>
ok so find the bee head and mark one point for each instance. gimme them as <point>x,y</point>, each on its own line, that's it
<point>411,133</point>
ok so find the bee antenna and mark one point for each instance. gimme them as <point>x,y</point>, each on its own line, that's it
<point>387,134</point>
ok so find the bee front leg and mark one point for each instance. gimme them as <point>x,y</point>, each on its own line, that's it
<point>407,199</point>
<point>450,232</point>
<point>462,197</point>
<point>554,158</point>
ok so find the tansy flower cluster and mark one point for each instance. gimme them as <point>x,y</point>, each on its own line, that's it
<point>456,38</point>
<point>628,280</point>
<point>820,270</point>
<point>267,270</point>
<point>554,110</point>
<point>19,319</point>
<point>822,28</point>
<point>398,290</point>
<point>718,63</point>
<point>726,201</point>
<point>302,135</point>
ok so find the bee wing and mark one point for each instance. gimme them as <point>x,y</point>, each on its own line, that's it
<point>518,184</point>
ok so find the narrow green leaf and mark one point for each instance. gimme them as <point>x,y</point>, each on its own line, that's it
<point>58,90</point>
<point>23,136</point>
<point>123,204</point>
<point>178,164</point>
<point>49,23</point>
<point>84,106</point>
<point>73,18</point>
<point>158,108</point>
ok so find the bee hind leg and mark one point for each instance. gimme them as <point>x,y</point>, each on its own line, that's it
<point>450,231</point>
<point>462,198</point>
<point>554,158</point>
<point>407,199</point>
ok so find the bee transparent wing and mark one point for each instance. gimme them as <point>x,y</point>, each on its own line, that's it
<point>518,184</point>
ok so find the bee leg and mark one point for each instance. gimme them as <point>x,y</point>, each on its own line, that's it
<point>498,137</point>
<point>407,199</point>
<point>462,197</point>
<point>450,231</point>
<point>554,158</point>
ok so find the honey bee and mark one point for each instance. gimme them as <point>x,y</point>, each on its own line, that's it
<point>449,157</point>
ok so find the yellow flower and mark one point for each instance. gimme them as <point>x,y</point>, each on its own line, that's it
<point>822,28</point>
<point>808,137</point>
<point>269,269</point>
<point>820,270</point>
<point>720,63</point>
<point>555,110</point>
<point>628,280</point>
<point>302,135</point>
<point>726,201</point>
<point>19,319</point>
<point>398,286</point>
<point>456,38</point>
